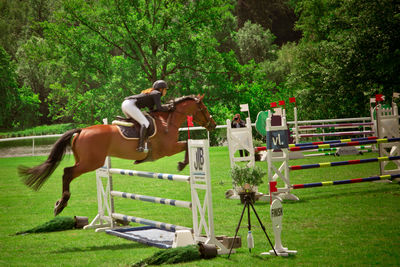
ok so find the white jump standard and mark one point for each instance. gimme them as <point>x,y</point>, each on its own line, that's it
<point>202,213</point>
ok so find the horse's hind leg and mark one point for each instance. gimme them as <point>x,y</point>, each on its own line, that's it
<point>70,174</point>
<point>63,201</point>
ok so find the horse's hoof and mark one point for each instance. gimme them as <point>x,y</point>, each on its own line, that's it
<point>59,207</point>
<point>181,165</point>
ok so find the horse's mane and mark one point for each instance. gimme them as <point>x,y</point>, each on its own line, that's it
<point>183,98</point>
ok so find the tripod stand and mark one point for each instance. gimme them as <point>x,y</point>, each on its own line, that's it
<point>247,204</point>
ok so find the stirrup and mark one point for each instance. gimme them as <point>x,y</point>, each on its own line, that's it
<point>141,149</point>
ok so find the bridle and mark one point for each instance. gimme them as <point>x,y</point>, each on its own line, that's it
<point>200,108</point>
<point>203,112</point>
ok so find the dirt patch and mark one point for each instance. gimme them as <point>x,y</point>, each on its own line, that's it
<point>24,151</point>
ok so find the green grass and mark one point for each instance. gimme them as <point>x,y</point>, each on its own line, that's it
<point>330,226</point>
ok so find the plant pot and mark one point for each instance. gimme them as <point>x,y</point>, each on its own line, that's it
<point>249,195</point>
<point>81,222</point>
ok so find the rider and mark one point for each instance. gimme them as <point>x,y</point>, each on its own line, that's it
<point>147,98</point>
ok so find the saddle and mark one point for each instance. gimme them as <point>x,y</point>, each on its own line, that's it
<point>130,129</point>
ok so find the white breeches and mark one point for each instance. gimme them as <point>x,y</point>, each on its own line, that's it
<point>130,110</point>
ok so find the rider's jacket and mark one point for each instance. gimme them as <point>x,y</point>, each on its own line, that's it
<point>150,100</point>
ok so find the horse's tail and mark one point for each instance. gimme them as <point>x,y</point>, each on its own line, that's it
<point>36,176</point>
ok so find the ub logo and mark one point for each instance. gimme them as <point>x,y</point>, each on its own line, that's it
<point>199,162</point>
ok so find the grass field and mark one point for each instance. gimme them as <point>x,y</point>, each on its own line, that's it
<point>344,225</point>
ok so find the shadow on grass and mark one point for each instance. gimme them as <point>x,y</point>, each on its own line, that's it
<point>99,248</point>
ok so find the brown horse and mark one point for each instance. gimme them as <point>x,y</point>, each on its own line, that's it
<point>91,145</point>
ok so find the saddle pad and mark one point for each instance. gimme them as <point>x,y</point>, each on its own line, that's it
<point>132,132</point>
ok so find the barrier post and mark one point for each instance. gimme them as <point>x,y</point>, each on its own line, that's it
<point>240,139</point>
<point>296,126</point>
<point>277,138</point>
<point>203,219</point>
<point>387,120</point>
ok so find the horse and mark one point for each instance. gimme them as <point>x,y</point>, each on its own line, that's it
<point>91,145</point>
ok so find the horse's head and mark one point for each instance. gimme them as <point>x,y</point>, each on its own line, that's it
<point>202,116</point>
<point>194,106</point>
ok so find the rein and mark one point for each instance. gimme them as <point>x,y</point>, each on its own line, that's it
<point>199,109</point>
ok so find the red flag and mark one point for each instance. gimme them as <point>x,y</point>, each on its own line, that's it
<point>292,100</point>
<point>190,121</point>
<point>273,105</point>
<point>379,97</point>
<point>281,102</point>
<point>272,187</point>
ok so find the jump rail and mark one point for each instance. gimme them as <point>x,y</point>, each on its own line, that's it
<point>353,143</point>
<point>341,163</point>
<point>335,125</point>
<point>351,181</point>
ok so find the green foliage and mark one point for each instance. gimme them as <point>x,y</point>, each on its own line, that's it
<point>13,22</point>
<point>8,89</point>
<point>348,54</point>
<point>172,256</point>
<point>20,105</point>
<point>255,43</point>
<point>27,109</point>
<point>39,130</point>
<point>243,176</point>
<point>75,60</point>
<point>57,224</point>
<point>112,50</point>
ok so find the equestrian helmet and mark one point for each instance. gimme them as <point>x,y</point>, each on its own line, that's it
<point>160,84</point>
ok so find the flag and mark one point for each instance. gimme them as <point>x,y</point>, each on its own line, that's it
<point>244,107</point>
<point>281,102</point>
<point>379,97</point>
<point>292,100</point>
<point>190,121</point>
<point>272,187</point>
<point>273,105</point>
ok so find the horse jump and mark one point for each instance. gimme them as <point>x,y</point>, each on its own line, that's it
<point>284,169</point>
<point>199,179</point>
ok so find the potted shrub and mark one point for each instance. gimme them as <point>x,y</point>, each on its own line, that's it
<point>246,179</point>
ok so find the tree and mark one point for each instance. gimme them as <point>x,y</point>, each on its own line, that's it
<point>20,105</point>
<point>275,15</point>
<point>255,43</point>
<point>348,54</point>
<point>8,89</point>
<point>112,49</point>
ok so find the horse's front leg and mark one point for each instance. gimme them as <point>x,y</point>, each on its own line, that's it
<point>182,165</point>
<point>175,148</point>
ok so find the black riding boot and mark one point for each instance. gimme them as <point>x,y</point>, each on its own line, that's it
<point>142,137</point>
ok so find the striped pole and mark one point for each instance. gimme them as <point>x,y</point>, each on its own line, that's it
<point>320,154</point>
<point>351,181</point>
<point>334,125</point>
<point>156,224</point>
<point>164,176</point>
<point>335,141</point>
<point>159,200</point>
<point>337,134</point>
<point>341,163</point>
<point>354,143</point>
<point>323,149</point>
<point>263,148</point>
